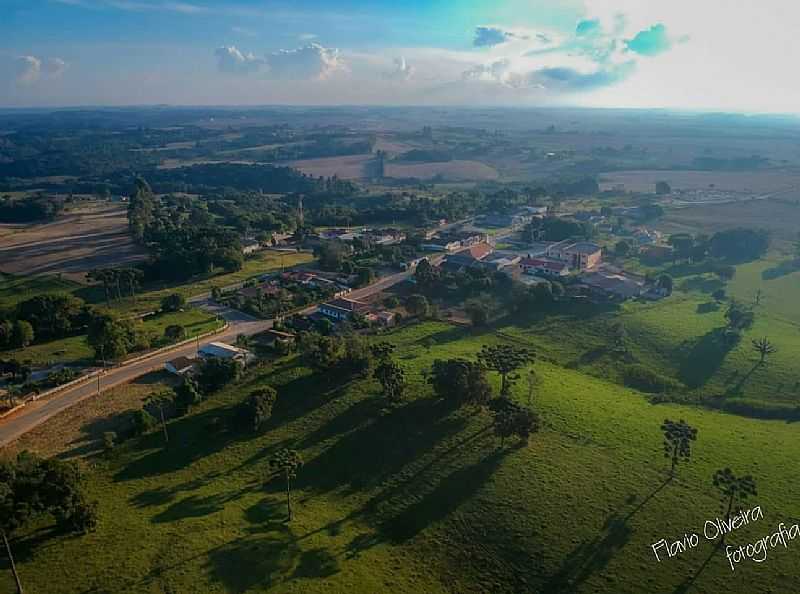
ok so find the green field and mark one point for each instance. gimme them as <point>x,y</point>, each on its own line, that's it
<point>14,289</point>
<point>421,499</point>
<point>76,351</point>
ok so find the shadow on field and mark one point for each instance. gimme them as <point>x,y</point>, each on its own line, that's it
<point>703,358</point>
<point>594,555</point>
<point>451,491</point>
<point>701,284</point>
<point>708,307</point>
<point>687,584</point>
<point>782,269</point>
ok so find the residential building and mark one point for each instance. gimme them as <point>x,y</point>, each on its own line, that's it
<point>221,350</point>
<point>343,308</point>
<point>468,257</point>
<point>544,267</point>
<point>582,255</point>
<point>617,286</point>
<point>180,366</point>
<point>274,337</point>
<point>250,246</point>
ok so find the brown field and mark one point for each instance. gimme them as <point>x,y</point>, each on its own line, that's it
<point>735,181</point>
<point>780,216</point>
<point>449,171</point>
<point>347,167</point>
<point>78,241</point>
<point>78,431</point>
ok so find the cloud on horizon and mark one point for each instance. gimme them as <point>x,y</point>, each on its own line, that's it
<point>309,62</point>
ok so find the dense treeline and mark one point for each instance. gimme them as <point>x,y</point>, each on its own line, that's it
<point>29,209</point>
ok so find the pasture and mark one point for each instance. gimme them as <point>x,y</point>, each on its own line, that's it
<point>758,182</point>
<point>421,498</point>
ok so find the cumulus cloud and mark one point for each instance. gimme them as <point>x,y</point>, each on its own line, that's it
<point>29,68</point>
<point>588,27</point>
<point>231,59</point>
<point>311,61</point>
<point>650,42</point>
<point>402,70</point>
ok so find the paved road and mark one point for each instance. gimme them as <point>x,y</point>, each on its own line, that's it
<point>39,411</point>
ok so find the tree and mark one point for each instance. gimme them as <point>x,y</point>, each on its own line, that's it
<point>257,409</point>
<point>678,438</point>
<point>426,275</point>
<point>417,305</point>
<point>31,487</point>
<point>504,359</point>
<point>142,422</point>
<point>511,419</point>
<point>682,244</point>
<point>215,372</point>
<point>740,245</point>
<point>173,302</point>
<point>22,335</point>
<point>619,338</point>
<point>187,395</point>
<point>725,273</point>
<point>665,283</point>
<point>110,337</point>
<point>287,462</point>
<point>392,379</point>
<point>663,187</point>
<point>622,248</point>
<point>733,490</point>
<point>478,312</point>
<point>739,317</point>
<point>719,295</point>
<point>6,334</point>
<point>764,348</point>
<point>174,332</point>
<point>160,400</point>
<point>460,382</point>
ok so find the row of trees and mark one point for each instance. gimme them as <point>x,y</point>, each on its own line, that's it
<point>737,245</point>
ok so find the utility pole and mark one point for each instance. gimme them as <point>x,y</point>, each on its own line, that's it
<point>11,561</point>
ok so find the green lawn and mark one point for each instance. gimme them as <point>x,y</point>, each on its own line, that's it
<point>15,288</point>
<point>420,499</point>
<point>76,351</point>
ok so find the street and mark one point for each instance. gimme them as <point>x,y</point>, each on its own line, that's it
<point>38,411</point>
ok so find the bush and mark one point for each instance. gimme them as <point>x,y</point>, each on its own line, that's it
<point>174,332</point>
<point>257,409</point>
<point>173,302</point>
<point>215,373</point>
<point>645,379</point>
<point>142,422</point>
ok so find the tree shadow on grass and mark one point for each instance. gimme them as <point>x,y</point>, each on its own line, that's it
<point>737,388</point>
<point>703,358</point>
<point>594,555</point>
<point>701,284</point>
<point>316,564</point>
<point>687,584</point>
<point>195,506</point>
<point>381,448</point>
<point>782,269</point>
<point>254,562</point>
<point>448,494</point>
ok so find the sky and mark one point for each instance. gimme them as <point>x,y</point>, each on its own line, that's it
<point>675,54</point>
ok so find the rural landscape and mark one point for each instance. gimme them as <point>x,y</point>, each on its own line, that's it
<point>432,298</point>
<point>289,375</point>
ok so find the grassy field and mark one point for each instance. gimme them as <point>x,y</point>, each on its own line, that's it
<point>76,351</point>
<point>150,300</point>
<point>14,289</point>
<point>420,498</point>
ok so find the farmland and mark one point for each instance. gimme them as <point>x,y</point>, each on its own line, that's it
<point>84,238</point>
<point>575,511</point>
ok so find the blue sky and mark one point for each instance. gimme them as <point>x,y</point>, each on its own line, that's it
<point>695,54</point>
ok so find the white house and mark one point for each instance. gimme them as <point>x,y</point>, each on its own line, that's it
<point>544,267</point>
<point>180,366</point>
<point>221,350</point>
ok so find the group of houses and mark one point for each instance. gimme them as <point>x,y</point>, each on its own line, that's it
<point>520,217</point>
<point>271,284</point>
<point>385,236</point>
<point>453,241</point>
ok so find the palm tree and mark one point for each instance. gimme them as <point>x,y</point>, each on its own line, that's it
<point>763,347</point>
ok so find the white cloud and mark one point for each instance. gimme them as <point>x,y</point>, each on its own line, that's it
<point>311,61</point>
<point>29,68</point>
<point>230,59</point>
<point>402,70</point>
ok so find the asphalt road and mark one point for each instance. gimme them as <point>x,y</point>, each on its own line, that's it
<point>37,412</point>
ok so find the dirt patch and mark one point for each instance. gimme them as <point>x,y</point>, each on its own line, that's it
<point>77,242</point>
<point>734,181</point>
<point>447,171</point>
<point>78,431</point>
<point>349,167</point>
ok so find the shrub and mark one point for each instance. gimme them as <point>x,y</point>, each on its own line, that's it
<point>142,422</point>
<point>645,379</point>
<point>257,409</point>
